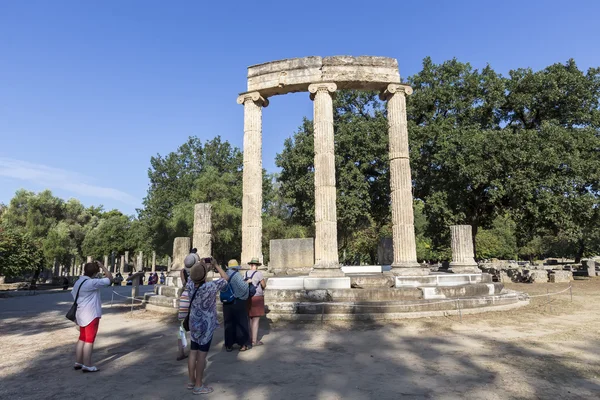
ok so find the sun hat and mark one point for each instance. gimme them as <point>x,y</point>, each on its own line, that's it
<point>198,273</point>
<point>255,261</point>
<point>233,263</point>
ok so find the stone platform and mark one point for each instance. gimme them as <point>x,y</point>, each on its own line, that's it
<point>384,296</point>
<point>369,296</point>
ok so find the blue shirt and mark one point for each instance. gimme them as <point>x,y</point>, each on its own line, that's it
<point>240,288</point>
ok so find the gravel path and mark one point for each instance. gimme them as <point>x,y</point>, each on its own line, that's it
<point>528,353</point>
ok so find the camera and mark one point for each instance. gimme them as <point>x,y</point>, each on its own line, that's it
<point>208,260</point>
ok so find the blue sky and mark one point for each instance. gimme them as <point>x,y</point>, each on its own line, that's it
<point>90,90</point>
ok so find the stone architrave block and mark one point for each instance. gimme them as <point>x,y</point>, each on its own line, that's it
<point>362,269</point>
<point>561,276</point>
<point>385,251</point>
<point>291,254</point>
<point>538,276</point>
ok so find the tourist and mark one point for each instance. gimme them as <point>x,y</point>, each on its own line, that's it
<point>142,276</point>
<point>188,263</point>
<point>155,278</point>
<point>256,303</point>
<point>235,314</point>
<point>118,279</point>
<point>162,278</point>
<point>65,283</point>
<point>202,321</point>
<point>89,312</point>
<point>184,309</point>
<point>129,279</point>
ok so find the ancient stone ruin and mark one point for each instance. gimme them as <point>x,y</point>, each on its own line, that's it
<point>322,77</point>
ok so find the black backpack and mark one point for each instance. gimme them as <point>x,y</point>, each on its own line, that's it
<point>251,287</point>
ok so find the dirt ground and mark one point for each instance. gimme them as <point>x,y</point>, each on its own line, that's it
<point>541,351</point>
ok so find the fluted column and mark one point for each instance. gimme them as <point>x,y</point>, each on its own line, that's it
<point>405,248</point>
<point>463,261</point>
<point>202,226</point>
<point>326,246</point>
<point>252,182</point>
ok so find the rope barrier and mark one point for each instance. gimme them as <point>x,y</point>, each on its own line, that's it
<point>127,297</point>
<point>549,294</point>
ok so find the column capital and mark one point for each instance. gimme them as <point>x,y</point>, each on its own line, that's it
<point>255,97</point>
<point>394,88</point>
<point>313,88</point>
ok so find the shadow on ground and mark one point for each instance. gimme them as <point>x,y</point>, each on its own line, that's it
<point>357,361</point>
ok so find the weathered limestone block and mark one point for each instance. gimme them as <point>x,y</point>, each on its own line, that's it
<point>503,277</point>
<point>561,276</point>
<point>181,248</point>
<point>288,255</point>
<point>591,268</point>
<point>463,260</point>
<point>537,276</point>
<point>202,229</point>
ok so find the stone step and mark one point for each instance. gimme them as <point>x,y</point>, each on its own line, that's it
<point>471,290</point>
<point>383,294</point>
<point>160,300</point>
<point>442,279</point>
<point>169,291</point>
<point>288,309</point>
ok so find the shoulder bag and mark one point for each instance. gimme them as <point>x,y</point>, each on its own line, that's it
<point>72,313</point>
<point>186,321</point>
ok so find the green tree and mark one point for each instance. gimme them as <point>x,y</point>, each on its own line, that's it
<point>18,253</point>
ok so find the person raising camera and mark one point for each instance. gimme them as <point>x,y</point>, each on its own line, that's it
<point>202,320</point>
<point>89,312</point>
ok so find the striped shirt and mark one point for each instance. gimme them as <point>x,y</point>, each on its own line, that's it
<point>240,288</point>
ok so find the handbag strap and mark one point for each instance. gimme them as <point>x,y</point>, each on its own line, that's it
<point>192,300</point>
<point>77,295</point>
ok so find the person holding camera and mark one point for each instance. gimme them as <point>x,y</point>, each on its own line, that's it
<point>89,312</point>
<point>235,313</point>
<point>202,320</point>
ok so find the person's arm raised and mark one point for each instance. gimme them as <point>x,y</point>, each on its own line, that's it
<point>107,273</point>
<point>220,270</point>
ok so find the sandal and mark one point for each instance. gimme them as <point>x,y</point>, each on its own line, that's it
<point>183,357</point>
<point>229,349</point>
<point>259,343</point>
<point>77,366</point>
<point>190,386</point>
<point>89,369</point>
<point>244,348</point>
<point>202,390</point>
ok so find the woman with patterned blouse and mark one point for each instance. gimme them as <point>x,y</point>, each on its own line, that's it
<point>203,321</point>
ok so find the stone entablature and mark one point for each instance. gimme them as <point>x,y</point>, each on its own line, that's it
<point>296,74</point>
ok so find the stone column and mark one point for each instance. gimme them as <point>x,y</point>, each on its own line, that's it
<point>463,261</point>
<point>89,259</point>
<point>140,262</point>
<point>106,262</point>
<point>326,247</point>
<point>202,227</point>
<point>252,182</point>
<point>126,257</point>
<point>153,262</point>
<point>122,267</point>
<point>403,228</point>
<point>181,248</point>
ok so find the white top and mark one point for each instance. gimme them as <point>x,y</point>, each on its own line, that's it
<point>89,305</point>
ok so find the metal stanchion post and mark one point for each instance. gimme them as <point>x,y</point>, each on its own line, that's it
<point>112,297</point>
<point>571,291</point>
